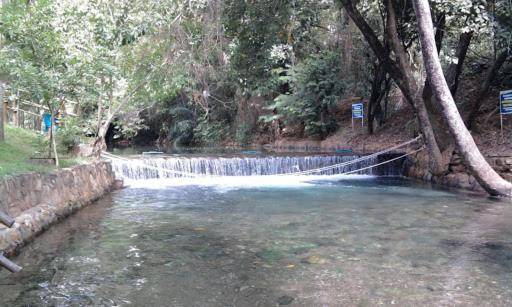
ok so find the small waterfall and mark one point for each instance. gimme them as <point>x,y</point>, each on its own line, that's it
<point>172,167</point>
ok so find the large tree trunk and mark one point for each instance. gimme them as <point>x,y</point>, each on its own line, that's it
<point>474,160</point>
<point>100,143</point>
<point>409,90</point>
<point>489,77</point>
<point>453,73</point>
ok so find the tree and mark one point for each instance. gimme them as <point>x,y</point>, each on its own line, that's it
<point>501,22</point>
<point>105,44</point>
<point>34,57</point>
<point>474,160</point>
<point>401,71</point>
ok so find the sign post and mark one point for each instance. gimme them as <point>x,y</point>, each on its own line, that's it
<point>505,106</point>
<point>358,113</point>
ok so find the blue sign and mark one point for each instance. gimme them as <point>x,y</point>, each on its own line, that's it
<point>357,110</point>
<point>506,102</point>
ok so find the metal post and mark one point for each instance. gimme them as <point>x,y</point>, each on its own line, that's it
<point>6,220</point>
<point>9,265</point>
<point>501,125</point>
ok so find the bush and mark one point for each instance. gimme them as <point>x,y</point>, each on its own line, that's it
<point>181,127</point>
<point>182,132</point>
<point>68,136</point>
<point>244,133</point>
<point>315,86</point>
<point>208,132</point>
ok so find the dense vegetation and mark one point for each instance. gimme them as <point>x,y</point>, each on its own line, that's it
<point>189,72</point>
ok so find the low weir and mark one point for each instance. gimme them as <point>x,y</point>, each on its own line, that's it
<point>172,167</point>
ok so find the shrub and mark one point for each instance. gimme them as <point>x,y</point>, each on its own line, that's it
<point>244,133</point>
<point>68,135</point>
<point>315,86</point>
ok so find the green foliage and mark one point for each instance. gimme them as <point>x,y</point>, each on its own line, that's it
<point>315,87</point>
<point>211,133</point>
<point>198,58</point>
<point>34,55</point>
<point>182,132</point>
<point>262,41</point>
<point>244,133</point>
<point>182,127</point>
<point>69,134</point>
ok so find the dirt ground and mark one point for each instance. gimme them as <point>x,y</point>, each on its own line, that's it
<point>401,127</point>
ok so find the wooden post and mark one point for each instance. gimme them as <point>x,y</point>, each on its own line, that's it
<point>5,106</point>
<point>9,265</point>
<point>15,114</point>
<point>6,219</point>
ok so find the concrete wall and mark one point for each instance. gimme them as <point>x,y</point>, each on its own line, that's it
<point>36,201</point>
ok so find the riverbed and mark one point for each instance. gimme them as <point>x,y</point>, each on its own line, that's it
<point>357,240</point>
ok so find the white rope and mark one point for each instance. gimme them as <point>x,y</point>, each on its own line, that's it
<point>385,162</point>
<point>343,164</point>
<point>306,172</point>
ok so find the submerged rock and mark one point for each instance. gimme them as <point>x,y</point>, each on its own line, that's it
<point>269,255</point>
<point>314,260</point>
<point>285,300</point>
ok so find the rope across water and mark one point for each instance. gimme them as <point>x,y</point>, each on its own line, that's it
<point>298,173</point>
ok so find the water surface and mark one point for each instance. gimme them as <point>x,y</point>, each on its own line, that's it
<point>347,242</point>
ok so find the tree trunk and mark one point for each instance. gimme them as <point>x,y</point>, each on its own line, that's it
<point>474,160</point>
<point>375,96</point>
<point>443,136</point>
<point>409,90</point>
<point>2,115</point>
<point>100,143</point>
<point>455,69</point>
<point>53,146</point>
<point>489,77</point>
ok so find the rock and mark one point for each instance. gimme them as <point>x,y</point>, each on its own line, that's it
<point>457,168</point>
<point>314,260</point>
<point>84,150</point>
<point>285,300</point>
<point>118,184</point>
<point>269,255</point>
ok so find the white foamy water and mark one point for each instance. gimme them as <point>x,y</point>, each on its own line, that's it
<point>234,182</point>
<point>244,172</point>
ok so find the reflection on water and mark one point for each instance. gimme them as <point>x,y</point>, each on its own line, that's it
<point>356,242</point>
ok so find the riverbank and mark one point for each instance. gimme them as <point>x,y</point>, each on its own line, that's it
<point>20,146</point>
<point>38,200</point>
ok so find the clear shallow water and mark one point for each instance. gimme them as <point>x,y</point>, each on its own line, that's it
<point>354,242</point>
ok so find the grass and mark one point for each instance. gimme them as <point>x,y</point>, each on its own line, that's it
<point>20,145</point>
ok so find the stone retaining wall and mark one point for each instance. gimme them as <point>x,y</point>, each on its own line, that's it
<point>457,176</point>
<point>36,201</point>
